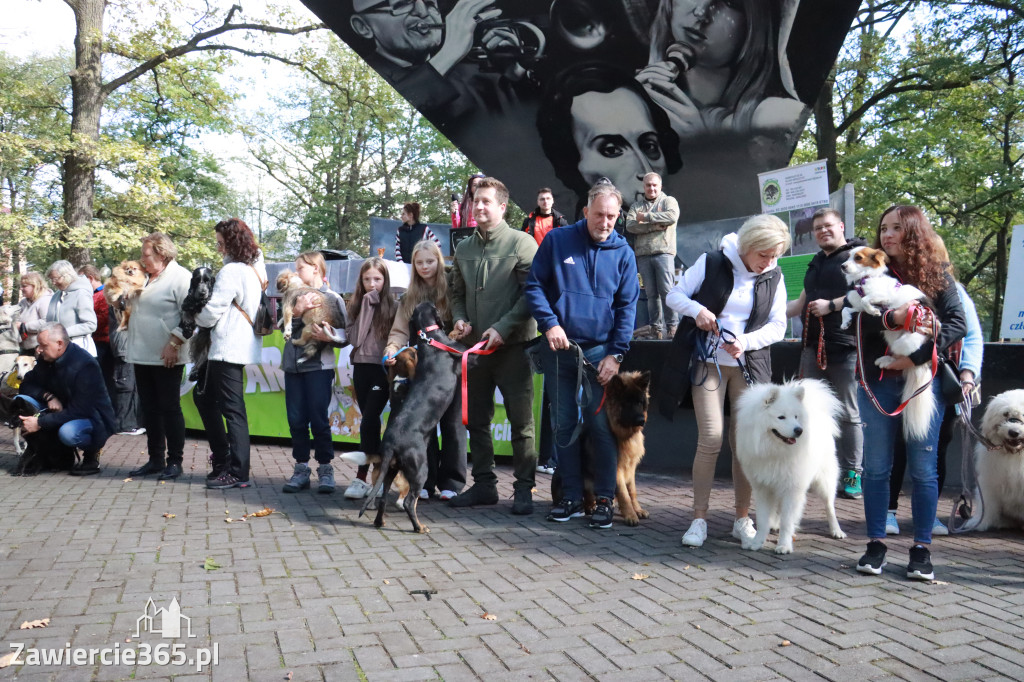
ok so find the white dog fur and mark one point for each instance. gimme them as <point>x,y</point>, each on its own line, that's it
<point>785,442</point>
<point>866,270</point>
<point>1001,470</point>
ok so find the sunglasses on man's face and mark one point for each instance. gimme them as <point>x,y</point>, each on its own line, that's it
<point>399,8</point>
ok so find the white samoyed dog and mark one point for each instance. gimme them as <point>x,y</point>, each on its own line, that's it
<point>1001,469</point>
<point>785,442</point>
<point>871,286</point>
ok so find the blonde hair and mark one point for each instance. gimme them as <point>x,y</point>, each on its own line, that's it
<point>763,232</point>
<point>39,284</point>
<point>316,259</point>
<point>420,290</point>
<point>162,246</point>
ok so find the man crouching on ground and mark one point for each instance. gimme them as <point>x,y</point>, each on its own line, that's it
<point>583,288</point>
<point>67,385</point>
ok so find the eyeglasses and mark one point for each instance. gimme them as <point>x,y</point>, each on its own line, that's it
<point>399,8</point>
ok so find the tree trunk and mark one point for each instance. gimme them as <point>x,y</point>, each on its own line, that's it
<point>1001,266</point>
<point>87,97</point>
<point>825,132</point>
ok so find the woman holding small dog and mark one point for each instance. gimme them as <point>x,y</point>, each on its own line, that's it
<point>308,384</point>
<point>218,394</point>
<point>371,312</point>
<point>446,466</point>
<point>736,299</point>
<point>154,351</point>
<point>916,257</point>
<point>71,304</point>
<point>34,304</point>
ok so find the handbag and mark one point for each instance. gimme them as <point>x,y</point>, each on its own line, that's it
<point>949,383</point>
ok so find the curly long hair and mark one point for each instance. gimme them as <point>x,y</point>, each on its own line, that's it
<point>924,255</point>
<point>239,242</point>
<point>384,315</point>
<point>421,290</point>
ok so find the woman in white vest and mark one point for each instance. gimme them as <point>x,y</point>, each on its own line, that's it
<point>219,392</point>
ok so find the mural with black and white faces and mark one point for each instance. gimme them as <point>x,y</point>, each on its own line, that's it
<point>560,93</point>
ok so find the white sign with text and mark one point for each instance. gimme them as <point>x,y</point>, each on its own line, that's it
<point>1013,299</point>
<point>795,187</point>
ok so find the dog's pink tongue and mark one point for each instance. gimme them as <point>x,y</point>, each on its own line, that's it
<point>791,441</point>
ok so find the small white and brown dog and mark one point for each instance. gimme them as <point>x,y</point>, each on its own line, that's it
<point>1000,468</point>
<point>873,288</point>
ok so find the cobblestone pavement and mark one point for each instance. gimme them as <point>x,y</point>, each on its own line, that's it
<point>315,593</point>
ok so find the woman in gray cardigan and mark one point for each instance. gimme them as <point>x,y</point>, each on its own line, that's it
<point>154,348</point>
<point>71,304</point>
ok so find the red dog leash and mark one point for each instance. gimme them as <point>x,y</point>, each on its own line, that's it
<point>478,349</point>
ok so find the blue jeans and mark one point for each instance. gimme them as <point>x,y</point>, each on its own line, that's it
<point>880,433</point>
<point>76,433</point>
<point>560,381</point>
<point>840,372</point>
<point>307,395</point>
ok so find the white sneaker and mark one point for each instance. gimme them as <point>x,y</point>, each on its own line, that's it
<point>891,527</point>
<point>743,529</point>
<point>697,533</point>
<point>448,494</point>
<point>939,528</point>
<point>424,495</point>
<point>357,490</point>
<point>541,469</point>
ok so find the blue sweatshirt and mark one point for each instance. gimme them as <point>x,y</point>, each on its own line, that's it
<point>589,289</point>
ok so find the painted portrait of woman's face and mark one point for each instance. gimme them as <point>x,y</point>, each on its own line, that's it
<point>713,29</point>
<point>616,138</point>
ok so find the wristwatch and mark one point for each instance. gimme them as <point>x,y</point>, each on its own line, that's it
<point>831,305</point>
<point>618,358</point>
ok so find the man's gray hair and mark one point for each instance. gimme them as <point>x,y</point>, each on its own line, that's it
<point>652,174</point>
<point>601,189</point>
<point>62,272</point>
<point>55,330</point>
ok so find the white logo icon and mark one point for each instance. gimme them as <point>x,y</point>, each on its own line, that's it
<point>569,261</point>
<point>163,622</point>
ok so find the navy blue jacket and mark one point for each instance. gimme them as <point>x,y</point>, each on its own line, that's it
<point>75,379</point>
<point>589,289</point>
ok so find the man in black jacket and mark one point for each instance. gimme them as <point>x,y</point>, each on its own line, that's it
<point>67,386</point>
<point>830,353</point>
<point>544,218</point>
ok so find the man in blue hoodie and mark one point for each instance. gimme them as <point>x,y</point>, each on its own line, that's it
<point>583,289</point>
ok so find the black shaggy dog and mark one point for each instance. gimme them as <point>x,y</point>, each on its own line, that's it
<point>199,292</point>
<point>404,446</point>
<point>43,450</point>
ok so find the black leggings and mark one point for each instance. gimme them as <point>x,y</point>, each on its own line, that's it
<point>221,400</point>
<point>159,398</point>
<point>370,383</point>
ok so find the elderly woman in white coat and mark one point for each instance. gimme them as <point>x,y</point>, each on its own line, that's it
<point>71,304</point>
<point>154,350</point>
<point>219,391</point>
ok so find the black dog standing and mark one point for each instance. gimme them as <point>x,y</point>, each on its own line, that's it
<point>404,446</point>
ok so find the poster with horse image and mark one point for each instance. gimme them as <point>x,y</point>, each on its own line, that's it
<point>558,93</point>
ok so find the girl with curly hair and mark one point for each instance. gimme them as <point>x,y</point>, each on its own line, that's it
<point>917,257</point>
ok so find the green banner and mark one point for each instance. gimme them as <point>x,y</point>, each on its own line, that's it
<point>264,400</point>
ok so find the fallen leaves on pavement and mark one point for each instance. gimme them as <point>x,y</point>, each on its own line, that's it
<point>640,576</point>
<point>210,564</point>
<point>30,624</point>
<point>489,616</point>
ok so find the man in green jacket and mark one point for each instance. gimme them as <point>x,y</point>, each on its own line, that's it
<point>488,274</point>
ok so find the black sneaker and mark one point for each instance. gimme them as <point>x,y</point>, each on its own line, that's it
<point>565,510</point>
<point>478,494</point>
<point>522,502</point>
<point>920,565</point>
<point>225,481</point>
<point>602,516</point>
<point>217,472</point>
<point>874,559</point>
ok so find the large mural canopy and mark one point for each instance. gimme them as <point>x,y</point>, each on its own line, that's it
<point>559,93</point>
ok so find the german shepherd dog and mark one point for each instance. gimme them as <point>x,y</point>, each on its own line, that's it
<point>404,446</point>
<point>627,397</point>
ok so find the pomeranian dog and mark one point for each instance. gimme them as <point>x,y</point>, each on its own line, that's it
<point>872,288</point>
<point>291,287</point>
<point>123,287</point>
<point>1001,469</point>
<point>785,442</point>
